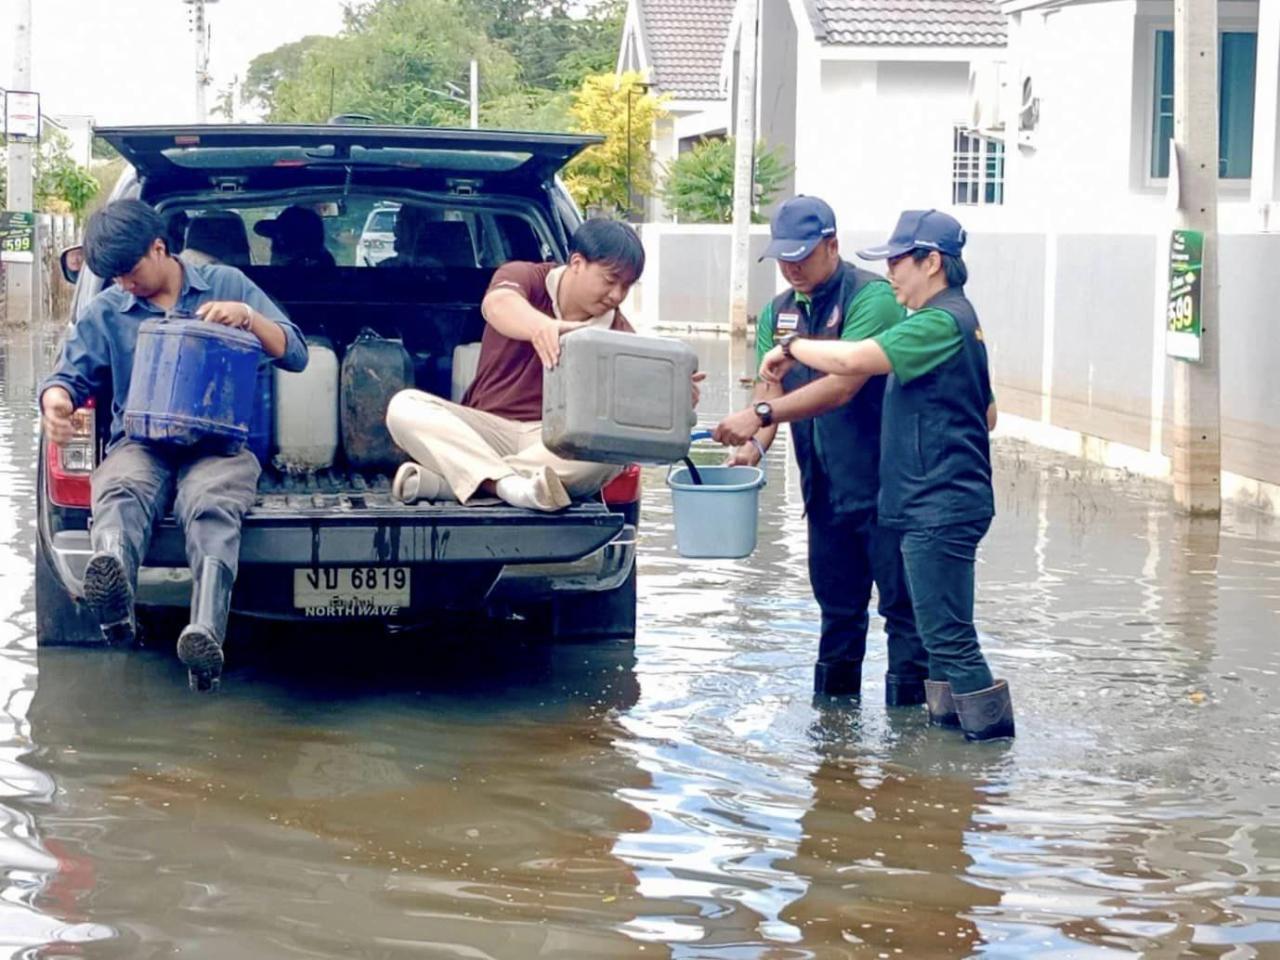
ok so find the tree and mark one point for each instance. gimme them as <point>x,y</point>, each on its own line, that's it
<point>619,108</point>
<point>699,184</point>
<point>61,184</point>
<point>556,42</point>
<point>268,70</point>
<point>394,60</point>
<point>391,55</point>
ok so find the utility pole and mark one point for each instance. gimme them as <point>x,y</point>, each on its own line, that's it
<point>1197,444</point>
<point>743,185</point>
<point>20,277</point>
<point>475,93</point>
<point>200,27</point>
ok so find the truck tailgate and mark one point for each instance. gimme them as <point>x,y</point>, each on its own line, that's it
<point>352,527</point>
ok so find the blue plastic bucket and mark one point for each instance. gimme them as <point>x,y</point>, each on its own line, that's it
<point>192,384</point>
<point>716,518</point>
<point>262,422</point>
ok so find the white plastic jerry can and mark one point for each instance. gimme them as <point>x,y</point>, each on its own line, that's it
<point>307,411</point>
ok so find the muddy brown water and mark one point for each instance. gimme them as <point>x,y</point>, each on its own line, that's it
<point>477,793</point>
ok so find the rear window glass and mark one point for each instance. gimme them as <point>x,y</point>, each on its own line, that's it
<point>353,231</point>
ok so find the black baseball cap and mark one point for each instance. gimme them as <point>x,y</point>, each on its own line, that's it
<point>297,223</point>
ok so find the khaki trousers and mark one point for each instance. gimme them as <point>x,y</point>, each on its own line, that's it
<point>468,447</point>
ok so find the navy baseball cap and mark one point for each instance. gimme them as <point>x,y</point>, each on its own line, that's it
<point>920,230</point>
<point>799,225</point>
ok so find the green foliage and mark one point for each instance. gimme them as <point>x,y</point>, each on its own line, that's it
<point>617,107</point>
<point>61,184</point>
<point>544,110</point>
<point>268,70</point>
<point>394,60</point>
<point>101,150</point>
<point>556,42</point>
<point>699,184</point>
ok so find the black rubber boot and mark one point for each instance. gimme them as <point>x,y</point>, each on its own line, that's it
<point>986,714</point>
<point>108,588</point>
<point>200,643</point>
<point>942,708</point>
<point>838,679</point>
<point>903,691</point>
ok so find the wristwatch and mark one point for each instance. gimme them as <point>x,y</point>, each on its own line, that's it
<point>764,410</point>
<point>786,342</point>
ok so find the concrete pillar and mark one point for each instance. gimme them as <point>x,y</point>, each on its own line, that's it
<point>743,181</point>
<point>18,294</point>
<point>1197,440</point>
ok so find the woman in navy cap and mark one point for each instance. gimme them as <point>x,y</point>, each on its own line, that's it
<point>935,460</point>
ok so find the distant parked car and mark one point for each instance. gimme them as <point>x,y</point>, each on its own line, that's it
<point>378,239</point>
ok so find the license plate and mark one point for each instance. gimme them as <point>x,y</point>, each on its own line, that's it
<point>351,591</point>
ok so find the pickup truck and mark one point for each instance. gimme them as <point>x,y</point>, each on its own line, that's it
<point>334,545</point>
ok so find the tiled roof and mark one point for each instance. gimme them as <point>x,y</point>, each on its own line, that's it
<point>924,23</point>
<point>685,43</point>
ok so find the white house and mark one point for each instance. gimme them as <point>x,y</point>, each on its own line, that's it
<point>877,97</point>
<point>679,46</point>
<point>1089,100</point>
<point>78,129</point>
<point>871,101</point>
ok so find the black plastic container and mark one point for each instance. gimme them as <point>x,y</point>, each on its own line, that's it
<point>374,370</point>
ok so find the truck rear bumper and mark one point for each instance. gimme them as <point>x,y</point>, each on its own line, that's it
<point>165,580</point>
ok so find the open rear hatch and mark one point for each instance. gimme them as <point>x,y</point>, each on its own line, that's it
<point>267,156</point>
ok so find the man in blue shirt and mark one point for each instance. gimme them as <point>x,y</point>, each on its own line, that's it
<point>136,481</point>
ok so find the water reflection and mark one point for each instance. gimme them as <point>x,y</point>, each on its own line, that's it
<point>884,856</point>
<point>427,811</point>
<point>473,793</point>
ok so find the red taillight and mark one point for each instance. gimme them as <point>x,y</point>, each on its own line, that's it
<point>70,465</point>
<point>624,488</point>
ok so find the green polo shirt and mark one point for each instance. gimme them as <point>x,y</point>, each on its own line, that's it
<point>923,341</point>
<point>870,314</point>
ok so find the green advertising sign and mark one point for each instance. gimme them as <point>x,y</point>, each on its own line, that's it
<point>1182,317</point>
<point>17,236</point>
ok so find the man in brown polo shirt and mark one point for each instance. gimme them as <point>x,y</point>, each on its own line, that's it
<point>491,443</point>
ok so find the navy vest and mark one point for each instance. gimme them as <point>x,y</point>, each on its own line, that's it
<point>935,457</point>
<point>838,452</point>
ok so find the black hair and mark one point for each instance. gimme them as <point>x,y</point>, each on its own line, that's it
<point>119,235</point>
<point>953,267</point>
<point>612,242</point>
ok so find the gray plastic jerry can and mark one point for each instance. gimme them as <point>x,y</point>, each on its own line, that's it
<point>619,398</point>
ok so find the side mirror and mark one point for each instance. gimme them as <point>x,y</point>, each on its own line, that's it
<point>72,261</point>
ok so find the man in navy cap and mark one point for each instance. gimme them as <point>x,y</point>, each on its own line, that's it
<point>935,462</point>
<point>835,429</point>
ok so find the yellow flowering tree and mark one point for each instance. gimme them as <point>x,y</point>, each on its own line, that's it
<point>620,107</point>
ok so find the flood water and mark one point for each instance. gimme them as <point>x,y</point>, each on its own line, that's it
<point>476,794</point>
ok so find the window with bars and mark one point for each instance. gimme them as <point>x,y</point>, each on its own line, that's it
<point>977,168</point>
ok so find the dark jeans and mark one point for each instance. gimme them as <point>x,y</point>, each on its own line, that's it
<point>135,483</point>
<point>847,551</point>
<point>939,564</point>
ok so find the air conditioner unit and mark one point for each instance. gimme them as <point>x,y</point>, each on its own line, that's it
<point>1028,114</point>
<point>986,90</point>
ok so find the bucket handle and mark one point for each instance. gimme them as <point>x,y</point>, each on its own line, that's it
<point>694,475</point>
